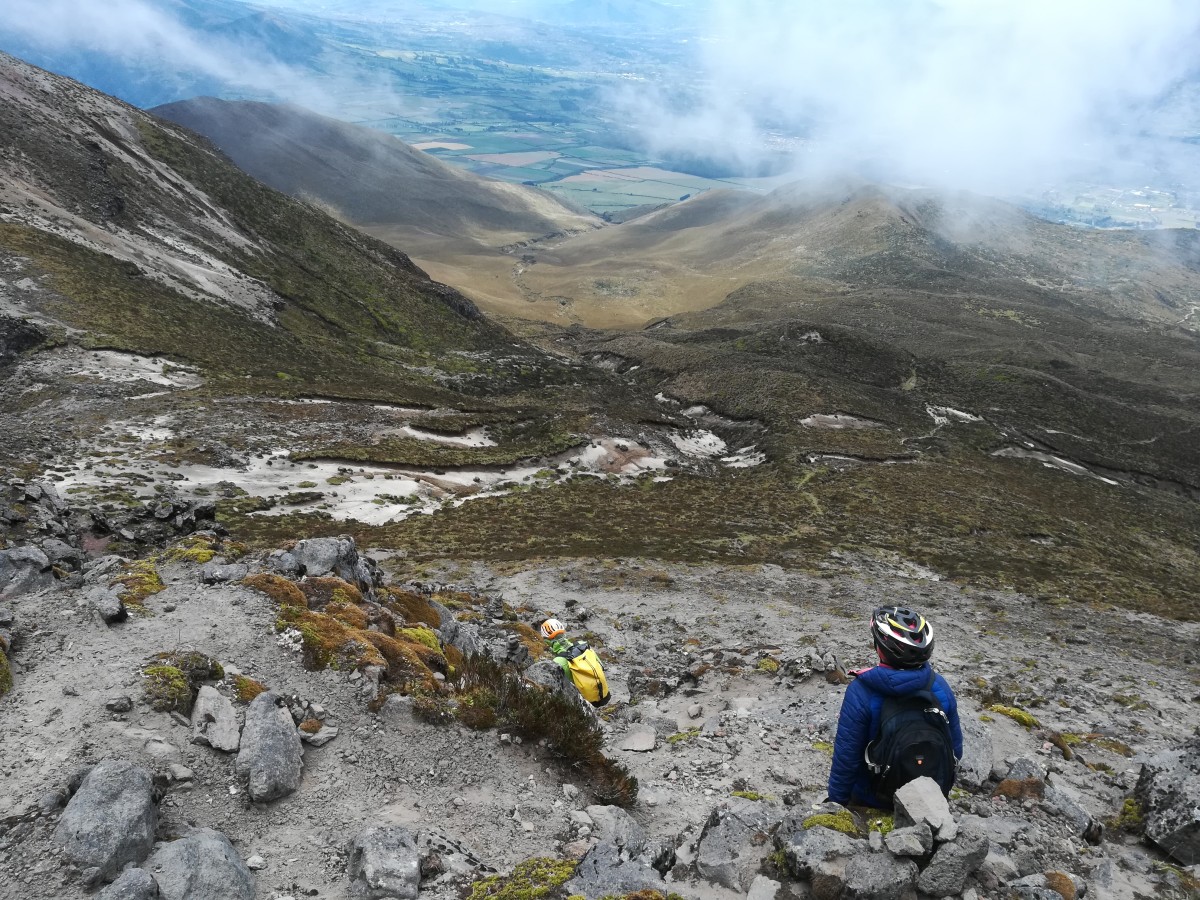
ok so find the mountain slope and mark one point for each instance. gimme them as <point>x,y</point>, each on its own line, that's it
<point>373,179</point>
<point>692,255</point>
<point>149,240</point>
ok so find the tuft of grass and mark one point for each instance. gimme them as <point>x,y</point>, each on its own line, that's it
<point>1020,789</point>
<point>280,589</point>
<point>246,689</point>
<point>411,607</point>
<point>559,720</point>
<point>1061,884</point>
<point>6,680</point>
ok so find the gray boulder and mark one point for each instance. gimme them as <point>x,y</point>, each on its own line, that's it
<point>878,876</point>
<point>106,602</point>
<point>271,755</point>
<point>954,861</point>
<point>916,840</point>
<point>213,720</point>
<point>334,556</point>
<point>548,675</point>
<point>385,862</point>
<point>1168,791</point>
<point>201,866</point>
<point>24,570</point>
<point>110,821</point>
<point>612,825</point>
<point>922,801</point>
<point>605,871</point>
<point>975,767</point>
<point>214,573</point>
<point>734,842</point>
<point>463,635</point>
<point>1066,807</point>
<point>134,884</point>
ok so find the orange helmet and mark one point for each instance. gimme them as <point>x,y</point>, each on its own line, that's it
<point>553,628</point>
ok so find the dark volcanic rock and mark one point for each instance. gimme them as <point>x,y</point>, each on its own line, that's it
<point>385,861</point>
<point>201,866</point>
<point>111,819</point>
<point>271,754</point>
<point>1168,790</point>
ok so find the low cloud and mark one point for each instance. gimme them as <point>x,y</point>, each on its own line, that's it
<point>146,38</point>
<point>993,95</point>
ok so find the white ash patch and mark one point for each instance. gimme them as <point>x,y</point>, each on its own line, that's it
<point>703,444</point>
<point>944,415</point>
<point>114,366</point>
<point>1050,461</point>
<point>838,422</point>
<point>475,437</point>
<point>745,458</point>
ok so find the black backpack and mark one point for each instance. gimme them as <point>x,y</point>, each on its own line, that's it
<point>913,740</point>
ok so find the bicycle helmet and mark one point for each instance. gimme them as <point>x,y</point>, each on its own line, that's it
<point>902,636</point>
<point>553,628</point>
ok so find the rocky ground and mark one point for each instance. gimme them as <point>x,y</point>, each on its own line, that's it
<point>726,687</point>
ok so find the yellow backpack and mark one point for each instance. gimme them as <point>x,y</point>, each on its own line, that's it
<point>588,674</point>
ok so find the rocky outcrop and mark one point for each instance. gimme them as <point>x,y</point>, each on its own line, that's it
<point>328,556</point>
<point>385,862</point>
<point>24,569</point>
<point>878,876</point>
<point>110,822</point>
<point>106,603</point>
<point>134,884</point>
<point>201,866</point>
<point>612,825</point>
<point>214,721</point>
<point>271,755</point>
<point>734,842</point>
<point>922,801</point>
<point>1168,792</point>
<point>606,871</point>
<point>947,872</point>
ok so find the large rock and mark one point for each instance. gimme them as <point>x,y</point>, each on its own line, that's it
<point>606,871</point>
<point>110,821</point>
<point>612,825</point>
<point>878,876</point>
<point>1168,791</point>
<point>216,573</point>
<point>213,720</point>
<point>443,854</point>
<point>975,767</point>
<point>271,754</point>
<point>947,872</point>
<point>922,801</point>
<point>820,856</point>
<point>916,840</point>
<point>385,862</point>
<point>639,739</point>
<point>201,866</point>
<point>735,841</point>
<point>106,602</point>
<point>24,570</point>
<point>331,556</point>
<point>134,884</point>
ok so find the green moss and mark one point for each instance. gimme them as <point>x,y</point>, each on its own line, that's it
<point>751,795</point>
<point>6,680</point>
<point>167,689</point>
<point>842,821</point>
<point>421,635</point>
<point>881,821</point>
<point>681,737</point>
<point>1130,818</point>
<point>1020,716</point>
<point>823,746</point>
<point>530,880</point>
<point>190,554</point>
<point>768,665</point>
<point>139,580</point>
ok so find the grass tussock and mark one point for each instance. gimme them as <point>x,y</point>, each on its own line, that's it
<point>283,591</point>
<point>413,608</point>
<point>536,714</point>
<point>139,580</point>
<point>246,689</point>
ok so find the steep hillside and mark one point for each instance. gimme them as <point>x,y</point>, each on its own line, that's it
<point>374,180</point>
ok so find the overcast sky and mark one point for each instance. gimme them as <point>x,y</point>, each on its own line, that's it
<point>990,94</point>
<point>995,95</point>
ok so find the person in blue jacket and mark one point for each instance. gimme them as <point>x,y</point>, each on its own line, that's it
<point>904,641</point>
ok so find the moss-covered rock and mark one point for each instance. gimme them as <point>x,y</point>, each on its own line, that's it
<point>530,880</point>
<point>842,821</point>
<point>1020,716</point>
<point>246,689</point>
<point>139,580</point>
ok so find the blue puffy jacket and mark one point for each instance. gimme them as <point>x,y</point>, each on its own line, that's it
<point>858,725</point>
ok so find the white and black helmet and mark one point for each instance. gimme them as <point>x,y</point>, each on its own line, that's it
<point>903,637</point>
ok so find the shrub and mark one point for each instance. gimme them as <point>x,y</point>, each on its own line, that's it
<point>278,588</point>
